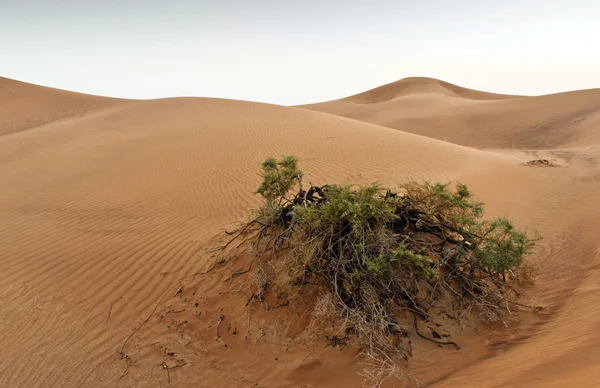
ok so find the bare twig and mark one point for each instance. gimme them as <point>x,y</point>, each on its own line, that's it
<point>145,321</point>
<point>126,367</point>
<point>168,368</point>
<point>221,319</point>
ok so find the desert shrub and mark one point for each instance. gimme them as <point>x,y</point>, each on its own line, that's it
<point>502,247</point>
<point>278,177</point>
<point>383,255</point>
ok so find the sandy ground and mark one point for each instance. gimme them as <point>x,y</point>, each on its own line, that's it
<point>108,205</point>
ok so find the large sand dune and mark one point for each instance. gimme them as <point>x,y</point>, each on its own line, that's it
<point>103,213</point>
<point>440,110</point>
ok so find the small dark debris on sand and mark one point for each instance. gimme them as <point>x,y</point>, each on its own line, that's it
<point>541,162</point>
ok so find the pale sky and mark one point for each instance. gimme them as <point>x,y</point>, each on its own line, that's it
<point>301,51</point>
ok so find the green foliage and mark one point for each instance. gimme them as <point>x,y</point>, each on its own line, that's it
<point>278,177</point>
<point>503,247</point>
<point>363,218</point>
<point>418,263</point>
<point>377,265</point>
<point>355,278</point>
<point>357,210</point>
<point>457,207</point>
<point>270,212</point>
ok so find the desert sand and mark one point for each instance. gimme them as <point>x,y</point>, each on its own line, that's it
<point>108,207</point>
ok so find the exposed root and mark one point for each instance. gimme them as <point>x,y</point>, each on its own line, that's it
<point>435,341</point>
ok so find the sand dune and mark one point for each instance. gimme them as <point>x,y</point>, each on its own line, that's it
<point>104,213</point>
<point>448,112</point>
<point>24,105</point>
<point>421,85</point>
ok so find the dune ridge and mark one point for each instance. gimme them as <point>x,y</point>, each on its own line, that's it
<point>24,105</point>
<point>105,211</point>
<point>440,110</point>
<point>421,85</point>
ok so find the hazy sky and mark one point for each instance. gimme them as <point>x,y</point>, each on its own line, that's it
<point>292,52</point>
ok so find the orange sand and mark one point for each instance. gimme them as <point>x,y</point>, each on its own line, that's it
<point>107,203</point>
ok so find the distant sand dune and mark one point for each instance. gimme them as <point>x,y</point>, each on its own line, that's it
<point>103,212</point>
<point>421,85</point>
<point>468,117</point>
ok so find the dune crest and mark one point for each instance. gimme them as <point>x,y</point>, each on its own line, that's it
<point>421,85</point>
